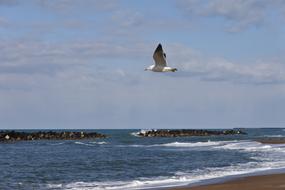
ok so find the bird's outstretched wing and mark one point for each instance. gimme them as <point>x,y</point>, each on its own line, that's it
<point>159,57</point>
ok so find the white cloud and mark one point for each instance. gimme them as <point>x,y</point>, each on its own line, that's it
<point>195,64</point>
<point>27,65</point>
<point>241,14</point>
<point>66,85</point>
<point>26,52</point>
<point>66,6</point>
<point>91,61</point>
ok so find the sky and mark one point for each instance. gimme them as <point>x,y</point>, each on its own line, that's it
<point>80,64</point>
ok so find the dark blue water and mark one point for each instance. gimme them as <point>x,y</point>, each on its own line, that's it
<point>124,161</point>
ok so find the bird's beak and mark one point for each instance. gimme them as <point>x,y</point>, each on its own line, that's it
<point>145,69</point>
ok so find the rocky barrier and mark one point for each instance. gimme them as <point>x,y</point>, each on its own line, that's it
<point>187,132</point>
<point>7,136</point>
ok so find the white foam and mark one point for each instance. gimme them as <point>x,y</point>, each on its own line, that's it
<point>92,143</point>
<point>190,144</point>
<point>85,144</point>
<point>253,146</point>
<point>142,131</point>
<point>185,144</point>
<point>242,145</point>
<point>180,178</point>
<point>269,157</point>
<point>101,142</point>
<point>273,136</point>
<point>136,134</point>
<point>246,146</point>
<point>53,186</point>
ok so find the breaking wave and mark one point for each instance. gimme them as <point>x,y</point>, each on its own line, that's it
<point>179,179</point>
<point>185,144</point>
<point>274,159</point>
<point>194,144</point>
<point>100,142</point>
<point>142,131</point>
<point>92,143</point>
<point>273,136</point>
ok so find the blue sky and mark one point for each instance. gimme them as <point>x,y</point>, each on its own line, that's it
<point>80,64</point>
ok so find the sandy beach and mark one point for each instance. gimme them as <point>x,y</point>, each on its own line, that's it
<point>265,182</point>
<point>275,140</point>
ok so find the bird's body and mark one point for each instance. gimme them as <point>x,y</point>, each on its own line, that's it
<point>160,61</point>
<point>155,68</point>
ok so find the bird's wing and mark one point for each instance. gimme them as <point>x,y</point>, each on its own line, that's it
<point>159,56</point>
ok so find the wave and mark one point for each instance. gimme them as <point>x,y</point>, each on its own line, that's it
<point>92,143</point>
<point>55,144</point>
<point>253,146</point>
<point>179,179</point>
<point>184,144</point>
<point>190,144</point>
<point>82,143</point>
<point>101,142</point>
<point>245,145</point>
<point>136,134</point>
<point>273,136</point>
<point>267,151</point>
<point>142,131</point>
<point>270,157</point>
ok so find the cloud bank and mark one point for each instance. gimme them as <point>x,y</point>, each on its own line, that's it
<point>240,14</point>
<point>24,60</point>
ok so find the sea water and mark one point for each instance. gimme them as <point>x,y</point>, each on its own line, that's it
<point>124,161</point>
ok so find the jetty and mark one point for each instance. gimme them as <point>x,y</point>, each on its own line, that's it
<point>187,133</point>
<point>8,136</point>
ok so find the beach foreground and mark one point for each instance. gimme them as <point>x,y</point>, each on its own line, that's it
<point>264,182</point>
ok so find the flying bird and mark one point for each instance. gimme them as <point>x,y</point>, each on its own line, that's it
<point>160,61</point>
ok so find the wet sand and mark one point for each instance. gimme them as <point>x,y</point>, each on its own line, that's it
<point>272,140</point>
<point>264,182</point>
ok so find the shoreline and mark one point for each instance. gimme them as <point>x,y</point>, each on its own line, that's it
<point>271,140</point>
<point>266,180</point>
<point>259,182</point>
<point>208,184</point>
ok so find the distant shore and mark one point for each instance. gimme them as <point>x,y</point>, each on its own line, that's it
<point>263,182</point>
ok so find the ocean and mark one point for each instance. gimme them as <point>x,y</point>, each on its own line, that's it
<point>124,161</point>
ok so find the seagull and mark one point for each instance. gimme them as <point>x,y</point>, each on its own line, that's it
<point>160,61</point>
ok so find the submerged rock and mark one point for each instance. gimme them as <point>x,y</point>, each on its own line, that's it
<point>6,136</point>
<point>187,132</point>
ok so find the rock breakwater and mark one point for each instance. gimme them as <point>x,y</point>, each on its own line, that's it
<point>187,132</point>
<point>6,136</point>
